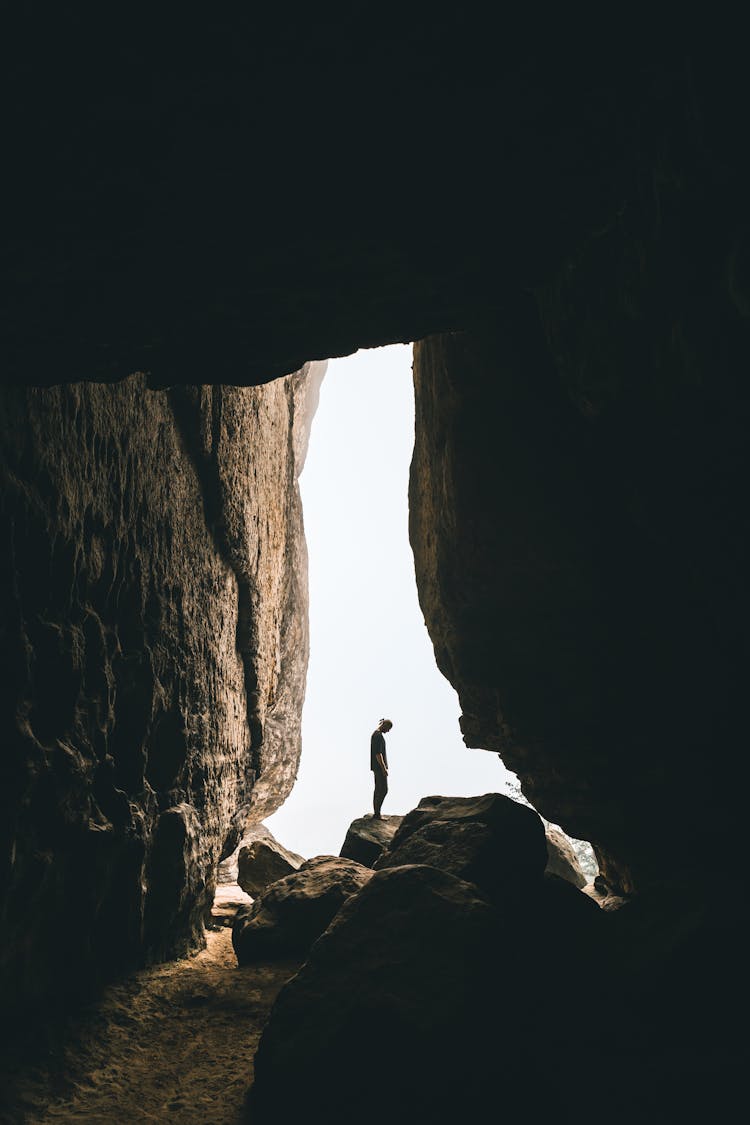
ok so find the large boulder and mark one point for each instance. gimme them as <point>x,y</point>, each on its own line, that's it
<point>228,869</point>
<point>368,837</point>
<point>295,910</point>
<point>562,859</point>
<point>262,862</point>
<point>491,840</point>
<point>422,982</point>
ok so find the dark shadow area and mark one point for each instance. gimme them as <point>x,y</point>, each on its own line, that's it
<point>558,216</point>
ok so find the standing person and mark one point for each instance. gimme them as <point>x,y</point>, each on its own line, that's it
<point>379,765</point>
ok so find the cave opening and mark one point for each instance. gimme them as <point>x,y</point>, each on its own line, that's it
<point>370,652</point>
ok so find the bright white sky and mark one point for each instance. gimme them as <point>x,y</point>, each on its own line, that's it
<point>370,654</point>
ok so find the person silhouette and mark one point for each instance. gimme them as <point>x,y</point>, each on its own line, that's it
<point>379,765</point>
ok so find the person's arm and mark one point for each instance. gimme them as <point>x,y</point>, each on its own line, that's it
<point>381,761</point>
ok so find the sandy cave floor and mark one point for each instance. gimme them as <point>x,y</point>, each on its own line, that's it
<point>172,1043</point>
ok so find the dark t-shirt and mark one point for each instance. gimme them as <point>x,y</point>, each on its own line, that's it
<point>377,746</point>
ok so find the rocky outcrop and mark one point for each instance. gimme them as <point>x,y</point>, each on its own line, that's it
<point>228,868</point>
<point>561,858</point>
<point>492,841</point>
<point>155,621</point>
<point>602,895</point>
<point>408,982</point>
<point>294,911</point>
<point>579,510</point>
<point>553,596</point>
<point>367,838</point>
<point>262,862</point>
<point>409,928</point>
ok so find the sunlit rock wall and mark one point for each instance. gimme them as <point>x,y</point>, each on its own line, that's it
<point>155,626</point>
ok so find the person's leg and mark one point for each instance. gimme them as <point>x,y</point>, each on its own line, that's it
<point>381,788</point>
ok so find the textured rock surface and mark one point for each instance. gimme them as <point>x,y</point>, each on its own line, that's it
<point>294,911</point>
<point>492,841</point>
<point>367,838</point>
<point>228,869</point>
<point>603,898</point>
<point>613,392</point>
<point>556,597</point>
<point>407,982</point>
<point>155,623</point>
<point>262,862</point>
<point>562,860</point>
<point>574,205</point>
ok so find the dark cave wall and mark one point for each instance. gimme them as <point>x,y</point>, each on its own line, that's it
<point>579,515</point>
<point>155,631</point>
<point>580,531</point>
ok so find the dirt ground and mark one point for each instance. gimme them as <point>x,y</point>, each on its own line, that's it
<point>173,1043</point>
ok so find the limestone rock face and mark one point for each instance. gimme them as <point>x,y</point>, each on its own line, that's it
<point>294,911</point>
<point>562,860</point>
<point>155,624</point>
<point>367,838</point>
<point>492,841</point>
<point>262,862</point>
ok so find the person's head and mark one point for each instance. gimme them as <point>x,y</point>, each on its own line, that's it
<point>384,725</point>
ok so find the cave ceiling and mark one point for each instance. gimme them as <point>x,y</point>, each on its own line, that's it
<point>225,200</point>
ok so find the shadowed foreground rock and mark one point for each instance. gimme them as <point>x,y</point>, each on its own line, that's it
<point>500,845</point>
<point>295,910</point>
<point>262,862</point>
<point>420,990</point>
<point>577,507</point>
<point>367,838</point>
<point>491,840</point>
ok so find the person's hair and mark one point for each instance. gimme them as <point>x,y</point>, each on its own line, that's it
<point>390,724</point>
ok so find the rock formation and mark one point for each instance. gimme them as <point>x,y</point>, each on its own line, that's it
<point>367,838</point>
<point>561,859</point>
<point>262,862</point>
<point>421,979</point>
<point>155,624</point>
<point>554,593</point>
<point>561,224</point>
<point>228,868</point>
<point>492,841</point>
<point>294,911</point>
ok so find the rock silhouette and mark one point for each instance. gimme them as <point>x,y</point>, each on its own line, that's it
<point>409,967</point>
<point>491,840</point>
<point>367,838</point>
<point>295,910</point>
